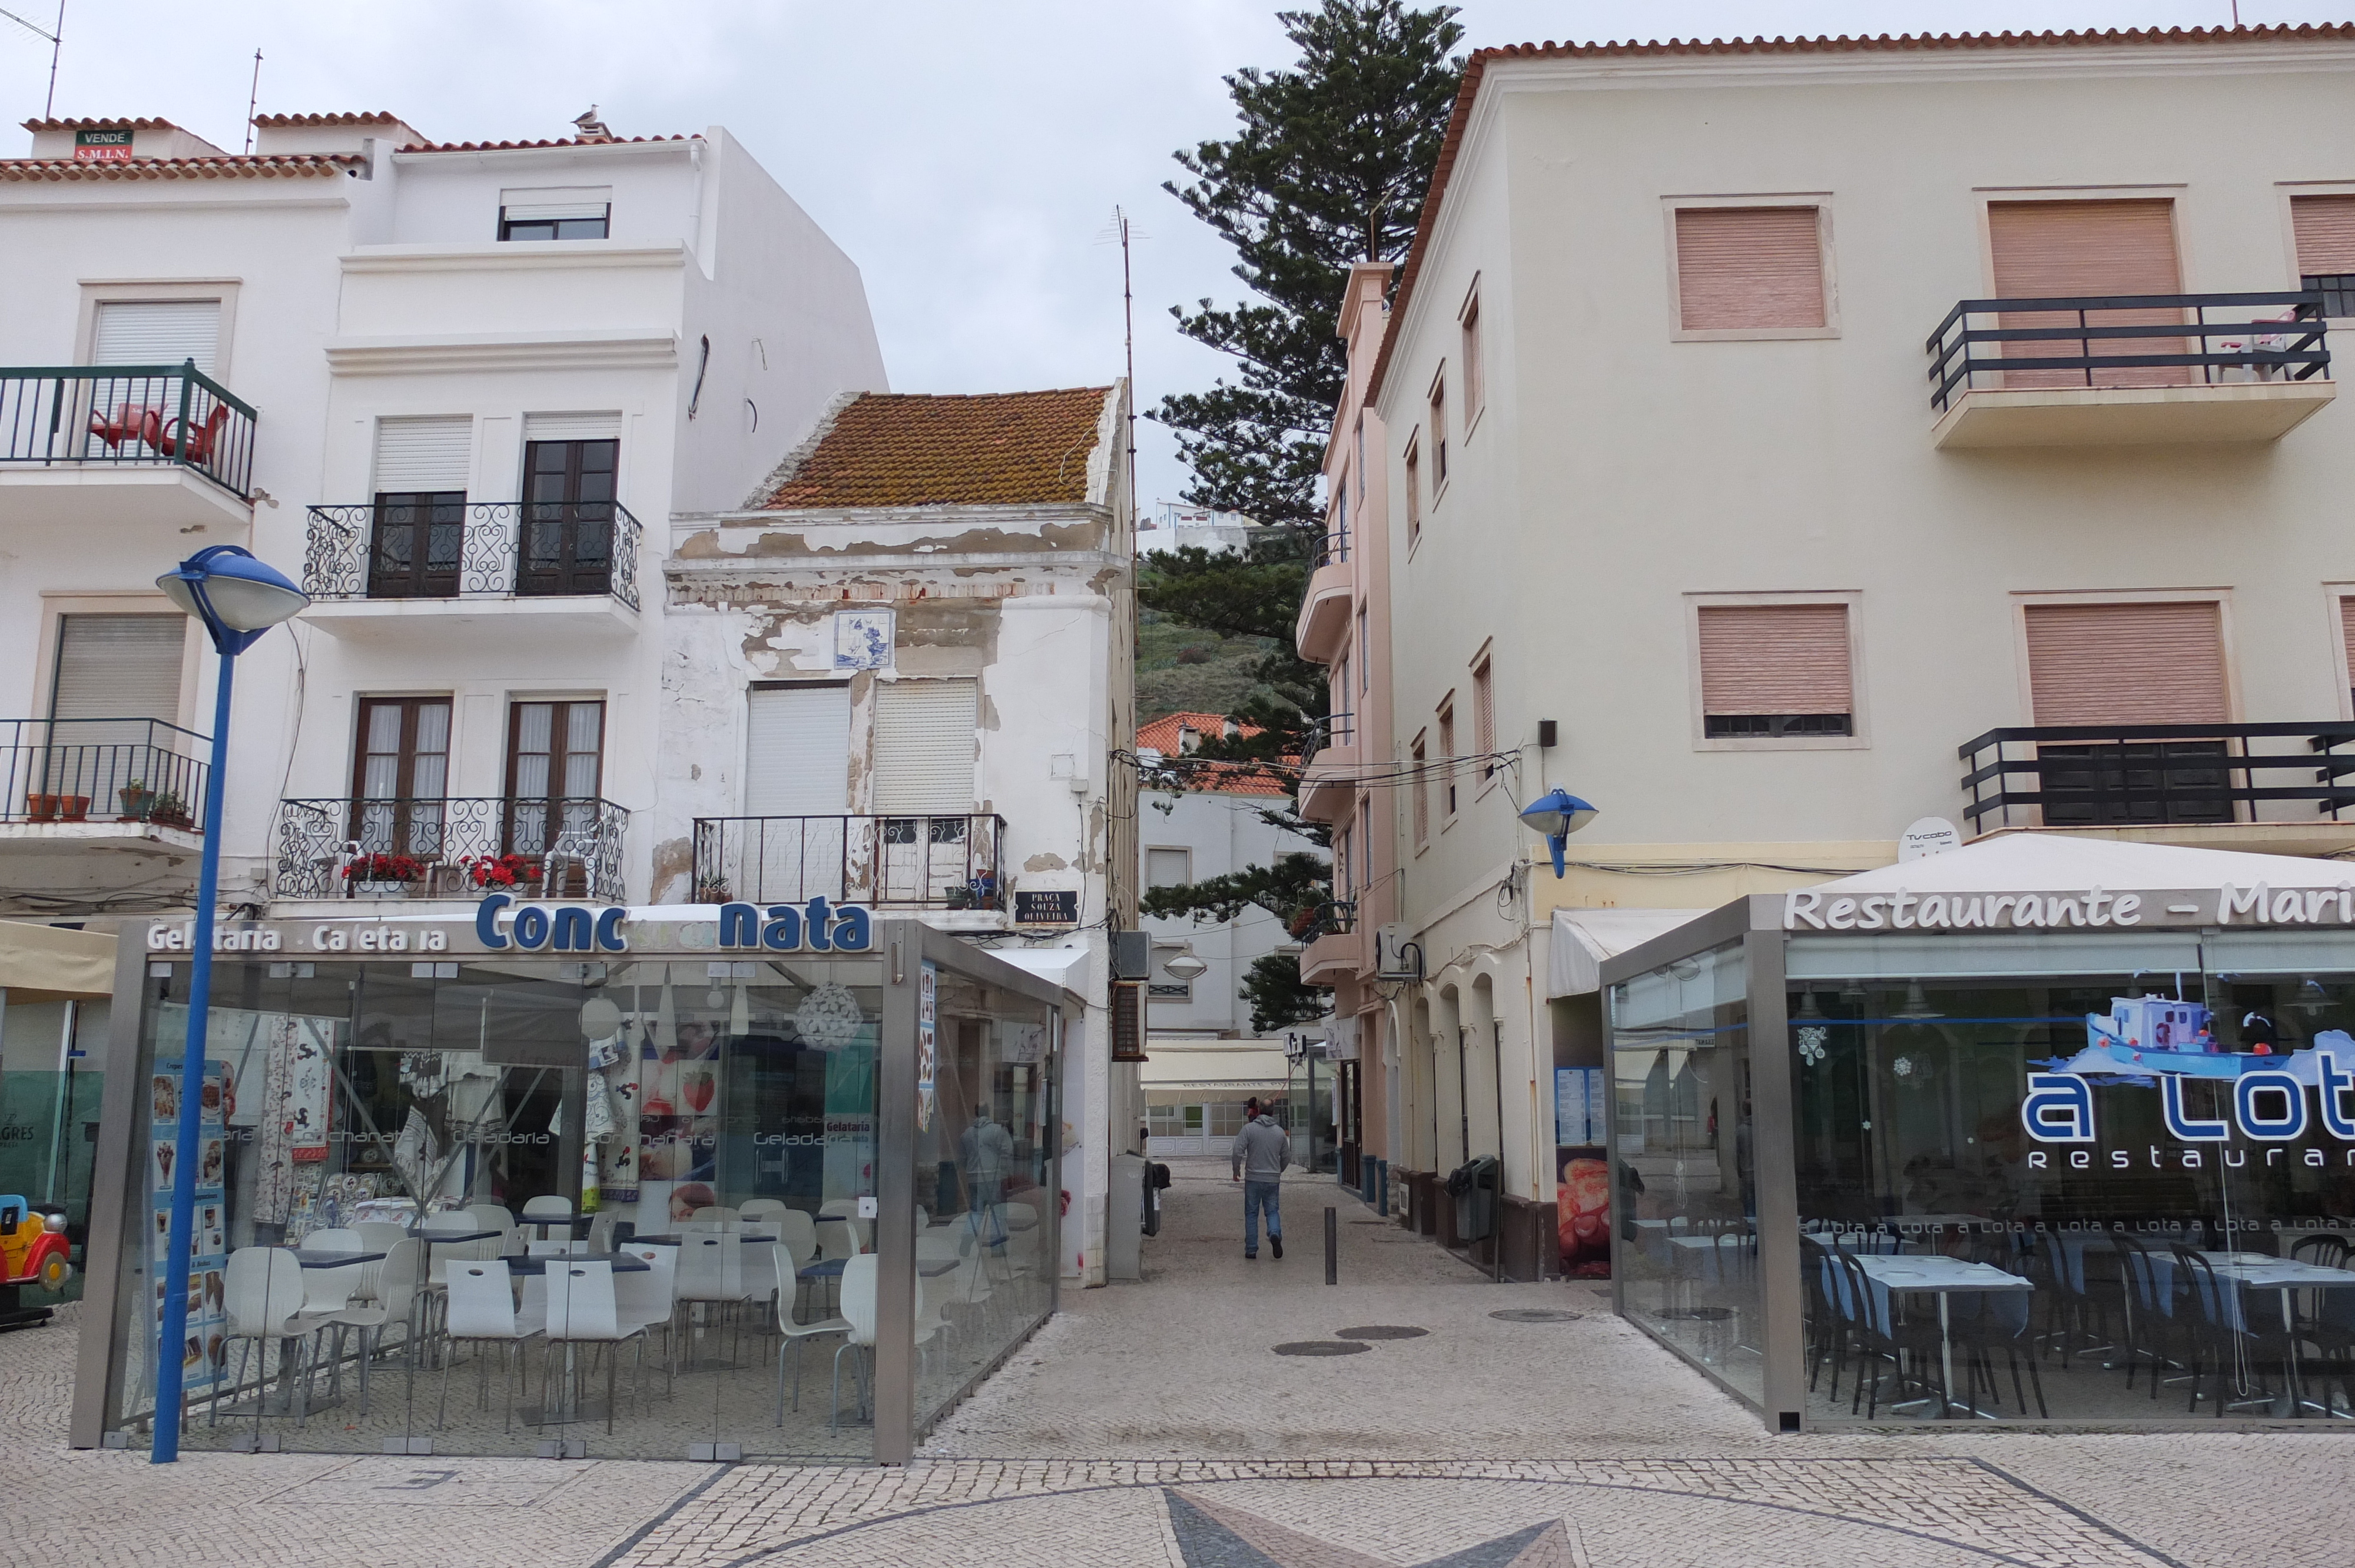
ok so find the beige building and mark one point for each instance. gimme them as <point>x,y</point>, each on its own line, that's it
<point>1717,494</point>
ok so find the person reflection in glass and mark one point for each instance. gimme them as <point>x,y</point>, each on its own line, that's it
<point>989,1150</point>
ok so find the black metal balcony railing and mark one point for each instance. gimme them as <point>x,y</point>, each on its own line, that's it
<point>944,861</point>
<point>127,416</point>
<point>455,847</point>
<point>102,770</point>
<point>2114,774</point>
<point>434,548</point>
<point>1333,729</point>
<point>2128,340</point>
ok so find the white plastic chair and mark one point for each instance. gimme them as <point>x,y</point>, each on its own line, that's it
<point>788,1282</point>
<point>551,1210</point>
<point>482,1308</point>
<point>261,1292</point>
<point>837,1238</point>
<point>714,1217</point>
<point>759,1213</point>
<point>554,1246</point>
<point>488,1217</point>
<point>601,1233</point>
<point>583,1308</point>
<point>380,1236</point>
<point>711,1272</point>
<point>441,1255</point>
<point>650,1299</point>
<point>858,1314</point>
<point>392,1299</point>
<point>797,1230</point>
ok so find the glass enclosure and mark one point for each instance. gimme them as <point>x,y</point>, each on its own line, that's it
<point>506,1203</point>
<point>49,1092</point>
<point>1686,1194</point>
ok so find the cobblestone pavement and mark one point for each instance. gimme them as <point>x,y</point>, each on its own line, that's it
<point>1151,1423</point>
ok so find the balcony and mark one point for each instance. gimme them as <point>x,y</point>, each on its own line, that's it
<point>1324,618</point>
<point>1334,948</point>
<point>2128,370</point>
<point>373,569</point>
<point>2226,784</point>
<point>88,805</point>
<point>153,447</point>
<point>928,863</point>
<point>1329,785</point>
<point>449,847</point>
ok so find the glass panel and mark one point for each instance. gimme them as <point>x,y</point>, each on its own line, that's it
<point>985,1192</point>
<point>1684,1176</point>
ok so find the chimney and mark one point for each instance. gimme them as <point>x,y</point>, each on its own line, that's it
<point>1190,740</point>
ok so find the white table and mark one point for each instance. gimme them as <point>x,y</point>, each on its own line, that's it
<point>1943,1278</point>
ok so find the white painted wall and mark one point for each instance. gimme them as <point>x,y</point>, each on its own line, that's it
<point>1223,833</point>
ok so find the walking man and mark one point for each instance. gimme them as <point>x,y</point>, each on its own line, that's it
<point>1258,1164</point>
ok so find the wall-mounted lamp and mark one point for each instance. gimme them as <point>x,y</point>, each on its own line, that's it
<point>1557,814</point>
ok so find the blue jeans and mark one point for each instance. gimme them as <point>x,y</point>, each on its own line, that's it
<point>1258,1195</point>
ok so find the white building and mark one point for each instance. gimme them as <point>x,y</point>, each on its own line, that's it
<point>1173,526</point>
<point>456,389</point>
<point>901,672</point>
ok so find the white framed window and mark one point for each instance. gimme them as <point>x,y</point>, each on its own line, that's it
<point>1168,867</point>
<point>1475,390</point>
<point>1419,756</point>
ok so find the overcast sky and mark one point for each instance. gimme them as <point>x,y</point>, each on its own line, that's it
<point>966,154</point>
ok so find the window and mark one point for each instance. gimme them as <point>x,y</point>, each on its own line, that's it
<point>1359,466</point>
<point>1341,863</point>
<point>159,332</point>
<point>567,545</point>
<point>2053,249</point>
<point>1750,269</point>
<point>1341,515</point>
<point>924,744</point>
<point>1417,753</point>
<point>563,212</point>
<point>1413,492</point>
<point>1170,991</point>
<point>1340,693</point>
<point>400,774</point>
<point>1475,388</point>
<point>117,667</point>
<point>1439,434</point>
<point>1365,836</point>
<point>2160,663</point>
<point>1484,718</point>
<point>2325,225</point>
<point>1448,756</point>
<point>1168,867</point>
<point>555,755</point>
<point>1774,671</point>
<point>796,749</point>
<point>417,534</point>
<point>2347,637</point>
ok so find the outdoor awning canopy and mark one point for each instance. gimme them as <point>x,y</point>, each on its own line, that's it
<point>51,963</point>
<point>1582,938</point>
<point>2052,862</point>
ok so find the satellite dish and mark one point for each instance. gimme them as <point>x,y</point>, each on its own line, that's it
<point>1931,835</point>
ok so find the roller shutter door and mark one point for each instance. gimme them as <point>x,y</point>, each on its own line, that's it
<point>2079,248</point>
<point>164,332</point>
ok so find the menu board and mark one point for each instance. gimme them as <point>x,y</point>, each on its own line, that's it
<point>205,1358</point>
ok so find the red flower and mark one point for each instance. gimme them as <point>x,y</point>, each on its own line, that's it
<point>385,868</point>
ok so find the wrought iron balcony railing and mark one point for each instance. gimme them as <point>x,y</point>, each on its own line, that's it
<point>943,862</point>
<point>432,546</point>
<point>127,416</point>
<point>450,847</point>
<point>1332,549</point>
<point>102,770</point>
<point>2117,775</point>
<point>2128,340</point>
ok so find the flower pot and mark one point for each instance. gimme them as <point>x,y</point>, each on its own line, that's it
<point>73,808</point>
<point>135,803</point>
<point>372,889</point>
<point>41,808</point>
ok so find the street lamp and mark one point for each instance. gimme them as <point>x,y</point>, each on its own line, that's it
<point>1185,966</point>
<point>1557,814</point>
<point>238,599</point>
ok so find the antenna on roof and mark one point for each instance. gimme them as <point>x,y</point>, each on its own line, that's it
<point>1121,231</point>
<point>252,100</point>
<point>56,41</point>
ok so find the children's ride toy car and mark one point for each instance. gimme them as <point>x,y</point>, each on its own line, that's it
<point>32,1252</point>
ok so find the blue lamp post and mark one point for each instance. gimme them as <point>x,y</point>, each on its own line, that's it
<point>1557,814</point>
<point>238,599</point>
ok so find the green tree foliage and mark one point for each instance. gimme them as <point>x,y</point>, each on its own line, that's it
<point>1298,891</point>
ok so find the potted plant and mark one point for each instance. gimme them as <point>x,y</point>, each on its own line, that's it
<point>384,875</point>
<point>712,890</point>
<point>169,810</point>
<point>137,800</point>
<point>503,870</point>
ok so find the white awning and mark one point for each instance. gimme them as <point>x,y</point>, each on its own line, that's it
<point>1582,938</point>
<point>2054,862</point>
<point>45,963</point>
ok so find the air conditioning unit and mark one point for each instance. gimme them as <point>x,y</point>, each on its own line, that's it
<point>1397,957</point>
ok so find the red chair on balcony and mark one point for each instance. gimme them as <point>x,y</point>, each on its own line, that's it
<point>129,423</point>
<point>199,439</point>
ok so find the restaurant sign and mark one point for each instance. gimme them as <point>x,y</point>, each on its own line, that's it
<point>1817,909</point>
<point>501,924</point>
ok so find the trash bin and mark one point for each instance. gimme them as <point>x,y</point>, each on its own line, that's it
<point>1472,1185</point>
<point>1157,1178</point>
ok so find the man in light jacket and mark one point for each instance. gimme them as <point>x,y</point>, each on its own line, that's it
<point>1258,1164</point>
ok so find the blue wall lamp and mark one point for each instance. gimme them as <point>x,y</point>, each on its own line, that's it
<point>1557,814</point>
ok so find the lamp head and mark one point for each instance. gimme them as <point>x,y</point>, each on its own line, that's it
<point>237,597</point>
<point>1557,814</point>
<point>1185,967</point>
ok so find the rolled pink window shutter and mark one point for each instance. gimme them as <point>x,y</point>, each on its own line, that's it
<point>1758,267</point>
<point>1775,658</point>
<point>2326,234</point>
<point>2127,663</point>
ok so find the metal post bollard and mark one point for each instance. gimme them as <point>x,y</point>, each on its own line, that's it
<point>1332,1247</point>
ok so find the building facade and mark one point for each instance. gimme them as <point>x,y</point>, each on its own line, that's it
<point>1759,468</point>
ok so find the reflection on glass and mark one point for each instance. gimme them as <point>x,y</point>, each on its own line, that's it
<point>1685,1175</point>
<point>2155,1243</point>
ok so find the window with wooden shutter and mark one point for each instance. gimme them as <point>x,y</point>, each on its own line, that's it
<point>2325,225</point>
<point>797,750</point>
<point>1476,391</point>
<point>1422,792</point>
<point>1448,756</point>
<point>1750,268</point>
<point>1484,718</point>
<point>924,746</point>
<point>2127,663</point>
<point>417,535</point>
<point>1774,671</point>
<point>2079,249</point>
<point>2346,628</point>
<point>1413,492</point>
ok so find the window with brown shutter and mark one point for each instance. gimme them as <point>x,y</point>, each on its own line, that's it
<point>1475,390</point>
<point>2077,249</point>
<point>2325,225</point>
<point>1414,492</point>
<point>1484,718</point>
<point>1448,756</point>
<point>1771,671</point>
<point>1753,268</point>
<point>2127,663</point>
<point>1420,754</point>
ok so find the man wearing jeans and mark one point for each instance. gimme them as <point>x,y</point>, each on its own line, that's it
<point>1258,1164</point>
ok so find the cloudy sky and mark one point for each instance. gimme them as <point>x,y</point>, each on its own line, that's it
<point>967,153</point>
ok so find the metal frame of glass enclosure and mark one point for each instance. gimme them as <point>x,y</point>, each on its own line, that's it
<point>1799,1117</point>
<point>379,1075</point>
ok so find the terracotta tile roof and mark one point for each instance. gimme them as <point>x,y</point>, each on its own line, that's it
<point>884,449</point>
<point>99,125</point>
<point>2335,32</point>
<point>513,147</point>
<point>278,166</point>
<point>281,122</point>
<point>1206,775</point>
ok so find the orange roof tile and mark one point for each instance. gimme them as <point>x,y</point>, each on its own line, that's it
<point>1911,42</point>
<point>1207,775</point>
<point>279,121</point>
<point>286,165</point>
<point>142,125</point>
<point>562,142</point>
<point>884,449</point>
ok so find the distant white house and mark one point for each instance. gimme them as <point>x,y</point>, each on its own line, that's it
<point>1172,525</point>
